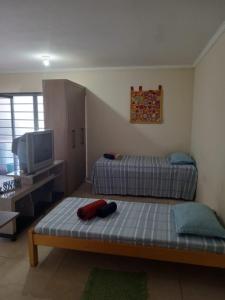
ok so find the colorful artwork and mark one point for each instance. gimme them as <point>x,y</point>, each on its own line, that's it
<point>146,106</point>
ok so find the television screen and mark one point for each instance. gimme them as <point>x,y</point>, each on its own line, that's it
<point>35,150</point>
<point>42,147</point>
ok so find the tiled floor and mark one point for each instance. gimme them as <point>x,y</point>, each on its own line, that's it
<point>62,274</point>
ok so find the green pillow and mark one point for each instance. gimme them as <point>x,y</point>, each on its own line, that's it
<point>197,219</point>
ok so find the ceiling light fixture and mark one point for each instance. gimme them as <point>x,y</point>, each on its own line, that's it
<point>46,60</point>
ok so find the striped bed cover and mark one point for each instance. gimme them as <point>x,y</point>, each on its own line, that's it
<point>144,176</point>
<point>134,223</point>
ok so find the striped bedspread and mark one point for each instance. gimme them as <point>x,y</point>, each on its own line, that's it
<point>144,176</point>
<point>134,223</point>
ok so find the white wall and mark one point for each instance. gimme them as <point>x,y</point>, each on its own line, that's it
<point>108,108</point>
<point>208,130</point>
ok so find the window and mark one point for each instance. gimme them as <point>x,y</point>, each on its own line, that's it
<point>19,113</point>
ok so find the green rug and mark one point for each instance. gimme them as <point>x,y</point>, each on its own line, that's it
<point>115,285</point>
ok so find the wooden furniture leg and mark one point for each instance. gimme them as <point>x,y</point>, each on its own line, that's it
<point>33,250</point>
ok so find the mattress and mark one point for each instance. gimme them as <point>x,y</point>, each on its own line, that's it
<point>144,176</point>
<point>134,223</point>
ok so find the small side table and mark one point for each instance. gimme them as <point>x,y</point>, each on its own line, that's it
<point>6,217</point>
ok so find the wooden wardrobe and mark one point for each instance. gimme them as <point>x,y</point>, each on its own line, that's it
<point>64,110</point>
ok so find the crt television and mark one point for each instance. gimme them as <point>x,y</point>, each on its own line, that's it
<point>35,150</point>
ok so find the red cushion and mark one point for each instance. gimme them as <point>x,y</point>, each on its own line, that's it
<point>89,211</point>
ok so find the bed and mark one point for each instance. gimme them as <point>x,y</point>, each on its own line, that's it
<point>144,176</point>
<point>144,230</point>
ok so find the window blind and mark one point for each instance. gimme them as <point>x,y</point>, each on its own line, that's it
<point>18,114</point>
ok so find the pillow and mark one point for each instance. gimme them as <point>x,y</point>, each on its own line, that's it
<point>197,219</point>
<point>180,158</point>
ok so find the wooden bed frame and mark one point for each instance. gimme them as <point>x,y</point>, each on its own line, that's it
<point>201,258</point>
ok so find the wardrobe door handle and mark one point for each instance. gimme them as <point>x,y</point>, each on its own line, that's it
<point>82,137</point>
<point>73,138</point>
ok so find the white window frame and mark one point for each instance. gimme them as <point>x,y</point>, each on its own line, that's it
<point>35,112</point>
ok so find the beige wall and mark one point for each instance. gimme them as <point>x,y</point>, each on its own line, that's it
<point>208,130</point>
<point>108,100</point>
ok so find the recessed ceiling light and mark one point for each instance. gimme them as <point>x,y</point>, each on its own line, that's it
<point>46,60</point>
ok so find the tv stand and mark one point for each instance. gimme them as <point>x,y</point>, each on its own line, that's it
<point>39,191</point>
<point>46,172</point>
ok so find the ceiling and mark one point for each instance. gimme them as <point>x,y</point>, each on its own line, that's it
<point>103,33</point>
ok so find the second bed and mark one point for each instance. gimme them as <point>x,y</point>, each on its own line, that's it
<point>144,176</point>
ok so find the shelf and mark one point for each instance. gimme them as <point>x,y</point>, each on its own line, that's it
<point>31,200</point>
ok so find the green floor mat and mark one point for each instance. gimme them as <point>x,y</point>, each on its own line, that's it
<point>115,285</point>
